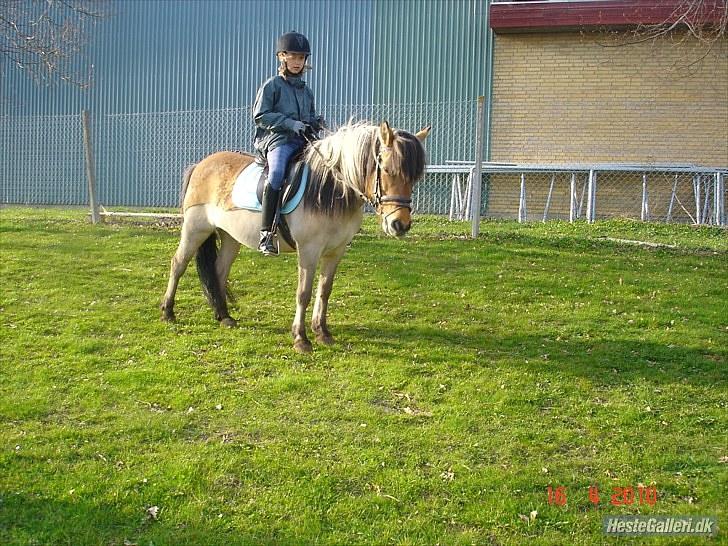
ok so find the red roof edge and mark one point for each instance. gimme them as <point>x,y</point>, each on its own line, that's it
<point>540,15</point>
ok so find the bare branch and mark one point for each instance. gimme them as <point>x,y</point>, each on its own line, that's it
<point>46,38</point>
<point>703,21</point>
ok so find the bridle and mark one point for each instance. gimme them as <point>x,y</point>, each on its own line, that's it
<point>377,200</point>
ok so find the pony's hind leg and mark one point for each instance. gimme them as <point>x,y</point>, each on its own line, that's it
<point>229,249</point>
<point>190,240</point>
<point>329,263</point>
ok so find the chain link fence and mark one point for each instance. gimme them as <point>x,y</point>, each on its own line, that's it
<point>649,193</point>
<point>140,157</point>
<point>42,160</point>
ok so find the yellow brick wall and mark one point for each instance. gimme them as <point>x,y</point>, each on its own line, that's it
<point>565,97</point>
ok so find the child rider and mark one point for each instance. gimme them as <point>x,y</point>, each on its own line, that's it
<point>283,111</point>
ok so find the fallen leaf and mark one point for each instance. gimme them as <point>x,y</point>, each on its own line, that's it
<point>153,512</point>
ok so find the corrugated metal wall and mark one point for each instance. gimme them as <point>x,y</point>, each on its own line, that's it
<point>161,55</point>
<point>411,62</point>
<point>429,51</point>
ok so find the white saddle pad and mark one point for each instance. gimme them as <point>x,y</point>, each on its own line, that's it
<point>245,189</point>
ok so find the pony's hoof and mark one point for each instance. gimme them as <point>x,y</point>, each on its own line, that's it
<point>325,339</point>
<point>229,322</point>
<point>302,346</point>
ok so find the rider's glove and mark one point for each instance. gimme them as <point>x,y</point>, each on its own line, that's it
<point>298,127</point>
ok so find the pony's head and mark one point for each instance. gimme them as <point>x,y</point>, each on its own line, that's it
<point>400,162</point>
<point>362,162</point>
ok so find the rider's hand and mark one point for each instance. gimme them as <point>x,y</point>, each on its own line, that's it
<point>298,127</point>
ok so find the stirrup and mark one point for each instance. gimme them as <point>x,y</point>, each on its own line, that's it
<point>267,245</point>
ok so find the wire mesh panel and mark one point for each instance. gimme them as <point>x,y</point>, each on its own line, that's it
<point>141,157</point>
<point>42,160</point>
<point>531,193</point>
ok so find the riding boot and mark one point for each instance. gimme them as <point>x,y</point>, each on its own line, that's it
<point>267,243</point>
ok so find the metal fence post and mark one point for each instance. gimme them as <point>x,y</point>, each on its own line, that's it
<point>673,195</point>
<point>477,179</point>
<point>572,198</point>
<point>456,198</point>
<point>90,167</point>
<point>522,211</point>
<point>548,198</point>
<point>719,199</point>
<point>591,202</point>
<point>696,190</point>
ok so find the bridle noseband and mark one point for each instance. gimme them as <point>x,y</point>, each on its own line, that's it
<point>378,200</point>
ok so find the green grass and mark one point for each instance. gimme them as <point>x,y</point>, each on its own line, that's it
<point>467,377</point>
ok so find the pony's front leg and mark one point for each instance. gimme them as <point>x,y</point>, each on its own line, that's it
<point>306,272</point>
<point>329,263</point>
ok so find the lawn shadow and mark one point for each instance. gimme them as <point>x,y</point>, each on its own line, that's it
<point>29,519</point>
<point>607,362</point>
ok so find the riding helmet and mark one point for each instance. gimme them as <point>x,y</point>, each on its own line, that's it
<point>293,42</point>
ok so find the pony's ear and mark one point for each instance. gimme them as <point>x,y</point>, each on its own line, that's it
<point>422,133</point>
<point>385,134</point>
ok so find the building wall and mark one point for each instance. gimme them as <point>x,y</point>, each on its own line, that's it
<point>567,97</point>
<point>176,55</point>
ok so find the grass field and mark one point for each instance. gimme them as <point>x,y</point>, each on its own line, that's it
<point>467,378</point>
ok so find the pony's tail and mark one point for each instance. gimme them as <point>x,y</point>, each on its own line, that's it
<point>205,258</point>
<point>185,183</point>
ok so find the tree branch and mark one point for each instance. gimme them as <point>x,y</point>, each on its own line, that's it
<point>46,38</point>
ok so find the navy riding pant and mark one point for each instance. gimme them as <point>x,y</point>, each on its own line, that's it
<point>278,161</point>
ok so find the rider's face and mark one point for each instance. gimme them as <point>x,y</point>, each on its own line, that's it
<point>294,61</point>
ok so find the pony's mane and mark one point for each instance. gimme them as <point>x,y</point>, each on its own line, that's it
<point>342,162</point>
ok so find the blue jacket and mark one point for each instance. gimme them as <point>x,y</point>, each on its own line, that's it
<point>279,102</point>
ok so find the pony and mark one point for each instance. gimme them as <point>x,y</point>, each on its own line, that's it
<point>358,164</point>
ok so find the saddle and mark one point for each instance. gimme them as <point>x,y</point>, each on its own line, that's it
<point>291,182</point>
<point>291,193</point>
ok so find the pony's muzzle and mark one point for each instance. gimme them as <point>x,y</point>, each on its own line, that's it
<point>400,228</point>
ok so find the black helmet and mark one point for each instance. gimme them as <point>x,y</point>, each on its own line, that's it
<point>293,42</point>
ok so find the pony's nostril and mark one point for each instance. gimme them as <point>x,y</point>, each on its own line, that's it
<point>400,228</point>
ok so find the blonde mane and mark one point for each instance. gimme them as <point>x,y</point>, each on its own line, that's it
<point>346,155</point>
